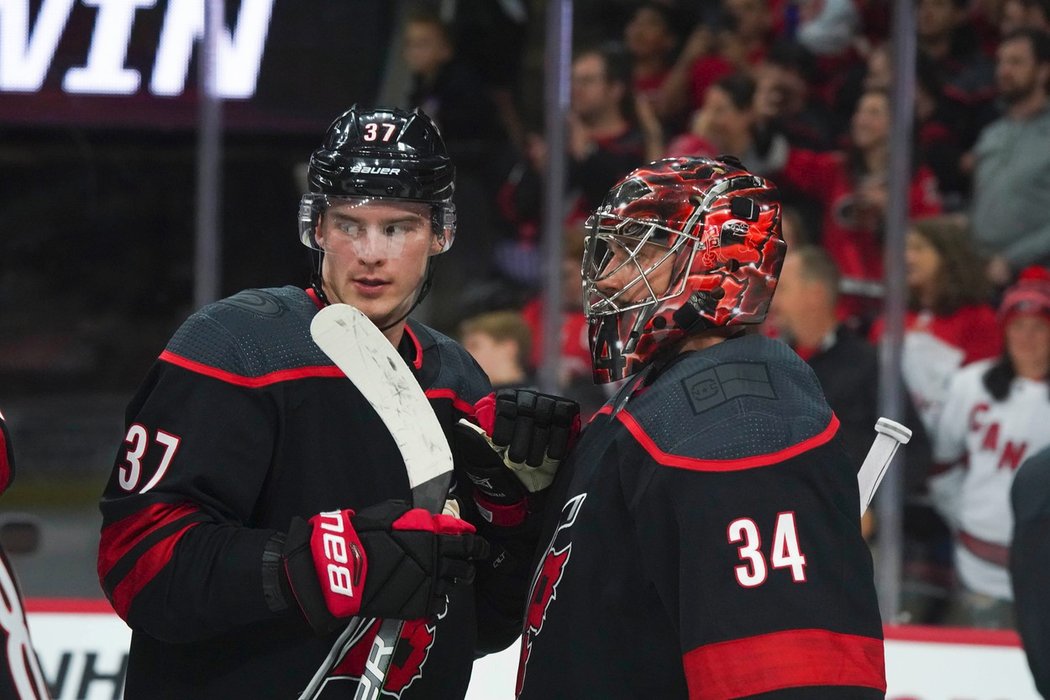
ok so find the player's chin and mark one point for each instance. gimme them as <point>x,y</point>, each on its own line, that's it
<point>382,312</point>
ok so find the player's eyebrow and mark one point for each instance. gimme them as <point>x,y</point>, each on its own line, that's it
<point>404,218</point>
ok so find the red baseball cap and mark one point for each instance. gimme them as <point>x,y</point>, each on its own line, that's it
<point>1029,295</point>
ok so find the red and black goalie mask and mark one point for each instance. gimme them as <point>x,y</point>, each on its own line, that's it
<point>679,246</point>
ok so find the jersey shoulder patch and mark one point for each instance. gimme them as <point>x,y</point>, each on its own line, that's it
<point>253,333</point>
<point>743,403</point>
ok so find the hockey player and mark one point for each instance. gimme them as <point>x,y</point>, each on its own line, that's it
<point>20,676</point>
<point>258,502</point>
<point>708,540</point>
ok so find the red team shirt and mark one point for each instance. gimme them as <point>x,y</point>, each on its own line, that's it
<point>852,243</point>
<point>936,346</point>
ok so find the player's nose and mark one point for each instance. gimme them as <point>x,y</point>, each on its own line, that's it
<point>614,276</point>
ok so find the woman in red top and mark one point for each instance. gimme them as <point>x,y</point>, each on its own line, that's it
<point>851,185</point>
<point>949,321</point>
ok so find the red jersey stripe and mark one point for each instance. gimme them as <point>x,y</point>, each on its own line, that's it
<point>725,465</point>
<point>458,403</point>
<point>120,537</point>
<point>417,361</point>
<point>144,570</point>
<point>788,659</point>
<point>283,375</point>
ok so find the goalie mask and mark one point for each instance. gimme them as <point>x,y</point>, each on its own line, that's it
<point>680,246</point>
<point>380,155</point>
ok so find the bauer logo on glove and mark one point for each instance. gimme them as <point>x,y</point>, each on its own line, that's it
<point>388,561</point>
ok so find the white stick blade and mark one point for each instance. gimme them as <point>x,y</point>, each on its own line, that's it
<point>372,363</point>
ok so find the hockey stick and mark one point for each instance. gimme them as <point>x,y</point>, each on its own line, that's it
<point>891,435</point>
<point>372,363</point>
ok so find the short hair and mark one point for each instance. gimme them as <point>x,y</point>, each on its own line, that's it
<point>615,59</point>
<point>501,326</point>
<point>669,14</point>
<point>815,265</point>
<point>740,87</point>
<point>1038,39</point>
<point>793,56</point>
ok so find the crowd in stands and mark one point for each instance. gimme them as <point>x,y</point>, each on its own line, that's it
<point>801,91</point>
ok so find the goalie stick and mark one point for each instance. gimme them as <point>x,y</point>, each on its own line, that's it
<point>371,362</point>
<point>890,436</point>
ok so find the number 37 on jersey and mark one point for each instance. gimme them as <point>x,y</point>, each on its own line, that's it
<point>140,444</point>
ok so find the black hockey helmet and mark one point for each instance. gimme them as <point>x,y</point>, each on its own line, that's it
<point>381,154</point>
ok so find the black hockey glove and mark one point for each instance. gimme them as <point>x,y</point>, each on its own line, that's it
<point>511,456</point>
<point>388,561</point>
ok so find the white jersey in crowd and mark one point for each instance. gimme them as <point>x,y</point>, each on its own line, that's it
<point>984,441</point>
<point>928,363</point>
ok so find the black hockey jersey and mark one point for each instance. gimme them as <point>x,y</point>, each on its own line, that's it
<point>241,425</point>
<point>709,544</point>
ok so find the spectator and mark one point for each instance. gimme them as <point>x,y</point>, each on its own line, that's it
<point>996,414</point>
<point>783,96</point>
<point>939,143</point>
<point>651,38</point>
<point>1021,14</point>
<point>603,140</point>
<point>500,341</point>
<point>1011,199</point>
<point>455,94</point>
<point>575,358</point>
<point>793,229</point>
<point>845,364</point>
<point>491,37</point>
<point>738,43</point>
<point>1030,562</point>
<point>938,136</point>
<point>803,312</point>
<point>948,40</point>
<point>451,91</point>
<point>949,322</point>
<point>724,125</point>
<point>851,186</point>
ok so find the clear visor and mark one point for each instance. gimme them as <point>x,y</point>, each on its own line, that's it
<point>627,264</point>
<point>373,227</point>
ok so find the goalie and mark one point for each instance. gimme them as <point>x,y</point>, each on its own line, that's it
<point>707,542</point>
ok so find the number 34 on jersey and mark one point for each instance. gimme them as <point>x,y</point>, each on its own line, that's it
<point>785,552</point>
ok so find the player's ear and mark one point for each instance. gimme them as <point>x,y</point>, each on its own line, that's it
<point>319,231</point>
<point>437,244</point>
